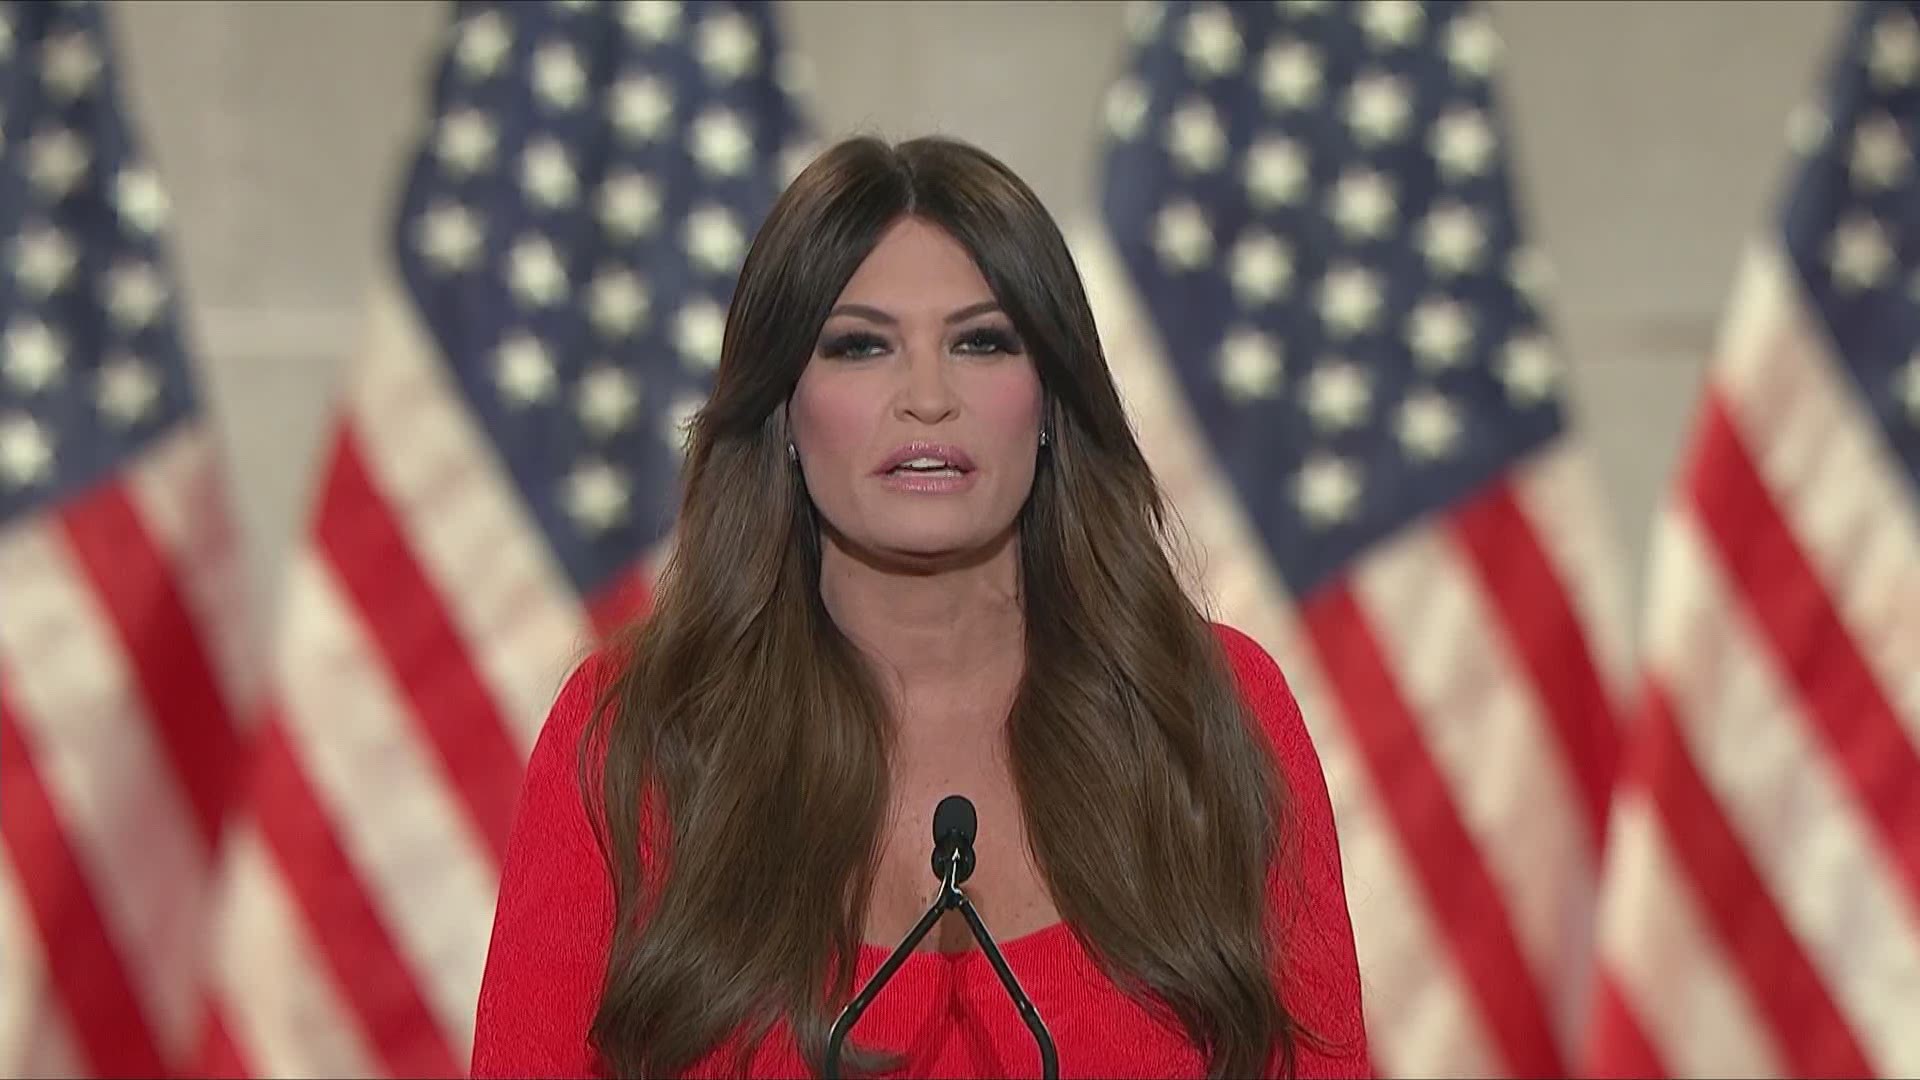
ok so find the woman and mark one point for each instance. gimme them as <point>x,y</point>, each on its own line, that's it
<point>919,554</point>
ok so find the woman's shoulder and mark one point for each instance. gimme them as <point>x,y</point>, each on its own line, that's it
<point>1269,696</point>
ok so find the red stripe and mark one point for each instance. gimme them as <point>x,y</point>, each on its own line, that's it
<point>1616,1043</point>
<point>1541,628</point>
<point>87,972</point>
<point>1811,1034</point>
<point>402,616</point>
<point>626,598</point>
<point>161,641</point>
<point>1461,894</point>
<point>218,1055</point>
<point>1810,644</point>
<point>353,941</point>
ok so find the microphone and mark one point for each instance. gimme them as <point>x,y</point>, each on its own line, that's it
<point>954,827</point>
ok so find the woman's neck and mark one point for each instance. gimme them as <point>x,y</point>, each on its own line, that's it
<point>931,632</point>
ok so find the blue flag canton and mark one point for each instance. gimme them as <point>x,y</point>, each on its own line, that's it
<point>92,368</point>
<point>1313,202</point>
<point>1851,221</point>
<point>571,233</point>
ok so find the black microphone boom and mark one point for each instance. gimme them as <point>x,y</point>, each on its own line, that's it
<point>954,827</point>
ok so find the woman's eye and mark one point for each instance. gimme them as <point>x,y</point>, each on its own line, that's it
<point>852,346</point>
<point>987,341</point>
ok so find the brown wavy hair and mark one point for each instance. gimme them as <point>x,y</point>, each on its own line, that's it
<point>754,727</point>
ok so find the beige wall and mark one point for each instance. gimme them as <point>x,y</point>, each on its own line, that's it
<point>1649,138</point>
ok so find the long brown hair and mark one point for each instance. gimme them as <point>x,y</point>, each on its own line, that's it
<point>753,727</point>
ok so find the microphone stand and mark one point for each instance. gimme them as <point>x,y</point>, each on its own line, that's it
<point>950,897</point>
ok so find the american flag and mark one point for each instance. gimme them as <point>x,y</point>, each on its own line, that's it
<point>1317,295</point>
<point>123,629</point>
<point>1761,915</point>
<point>498,481</point>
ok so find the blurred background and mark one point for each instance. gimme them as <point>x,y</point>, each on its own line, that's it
<point>1616,700</point>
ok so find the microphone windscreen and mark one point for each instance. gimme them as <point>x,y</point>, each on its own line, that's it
<point>954,816</point>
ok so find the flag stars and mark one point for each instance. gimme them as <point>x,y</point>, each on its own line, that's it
<point>596,496</point>
<point>43,260</point>
<point>1126,108</point>
<point>26,455</point>
<point>617,303</point>
<point>1880,156</point>
<point>1349,300</point>
<point>1526,368</point>
<point>1363,204</point>
<point>1261,269</point>
<point>535,272</point>
<point>606,399</point>
<point>547,175</point>
<point>642,107</point>
<point>629,205</point>
<point>141,200</point>
<point>1290,76</point>
<point>126,390</point>
<point>1473,45</point>
<point>1428,426</point>
<point>1462,142</point>
<point>1378,108</point>
<point>1249,365</point>
<point>721,144</point>
<point>558,79</point>
<point>1182,236</point>
<point>1859,254</point>
<point>1210,42</point>
<point>1276,172</point>
<point>714,241</point>
<point>36,356</point>
<point>727,46</point>
<point>524,370</point>
<point>1440,332</point>
<point>652,21</point>
<point>56,161</point>
<point>1893,53</point>
<point>449,238</point>
<point>483,44</point>
<point>1338,396</point>
<point>1195,138</point>
<point>1453,239</point>
<point>1392,23</point>
<point>135,294</point>
<point>1327,490</point>
<point>1906,388</point>
<point>69,66</point>
<point>698,333</point>
<point>467,142</point>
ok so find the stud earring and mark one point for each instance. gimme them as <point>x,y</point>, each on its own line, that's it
<point>792,454</point>
<point>1043,436</point>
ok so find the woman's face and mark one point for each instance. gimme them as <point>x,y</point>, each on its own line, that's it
<point>917,418</point>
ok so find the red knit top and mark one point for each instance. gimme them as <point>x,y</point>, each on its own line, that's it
<point>946,1011</point>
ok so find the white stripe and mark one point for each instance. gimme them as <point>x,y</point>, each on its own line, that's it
<point>179,489</point>
<point>425,866</point>
<point>1421,1021</point>
<point>1838,485</point>
<point>517,613</point>
<point>281,1006</point>
<point>1561,495</point>
<point>1487,733</point>
<point>126,819</point>
<point>1786,800</point>
<point>1689,1002</point>
<point>27,1003</point>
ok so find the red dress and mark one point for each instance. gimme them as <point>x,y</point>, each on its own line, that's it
<point>948,1012</point>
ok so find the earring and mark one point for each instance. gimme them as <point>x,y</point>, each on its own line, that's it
<point>1043,436</point>
<point>792,454</point>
